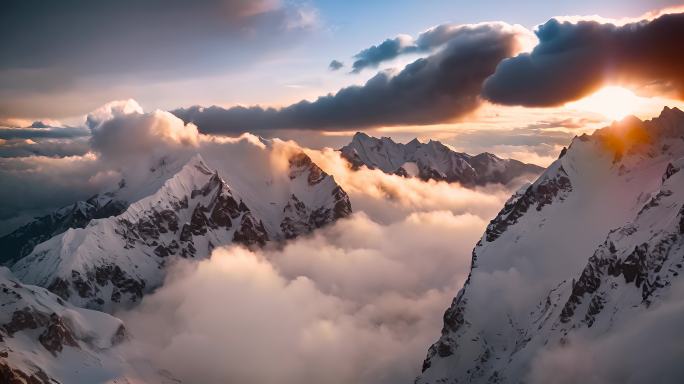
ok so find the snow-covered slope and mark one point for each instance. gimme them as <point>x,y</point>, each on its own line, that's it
<point>594,242</point>
<point>113,261</point>
<point>432,160</point>
<point>45,340</point>
<point>21,241</point>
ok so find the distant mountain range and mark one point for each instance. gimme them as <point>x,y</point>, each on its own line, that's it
<point>433,161</point>
<point>596,241</point>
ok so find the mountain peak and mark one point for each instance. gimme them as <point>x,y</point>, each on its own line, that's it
<point>431,160</point>
<point>671,112</point>
<point>415,141</point>
<point>360,136</point>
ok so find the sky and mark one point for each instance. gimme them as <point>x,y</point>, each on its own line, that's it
<point>223,52</point>
<point>515,79</point>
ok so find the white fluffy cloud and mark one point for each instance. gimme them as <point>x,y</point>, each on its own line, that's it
<point>357,302</point>
<point>121,130</point>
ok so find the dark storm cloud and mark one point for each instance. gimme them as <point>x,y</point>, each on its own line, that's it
<point>438,88</point>
<point>387,50</point>
<point>572,60</point>
<point>403,44</point>
<point>335,65</point>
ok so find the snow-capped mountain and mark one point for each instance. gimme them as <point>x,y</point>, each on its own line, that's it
<point>596,241</point>
<point>114,261</point>
<point>432,160</point>
<point>111,202</point>
<point>45,340</point>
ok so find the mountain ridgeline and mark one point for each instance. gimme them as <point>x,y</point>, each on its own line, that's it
<point>113,261</point>
<point>433,161</point>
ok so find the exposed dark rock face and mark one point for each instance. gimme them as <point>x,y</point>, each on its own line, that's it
<point>21,241</point>
<point>670,171</point>
<point>37,328</point>
<point>342,204</point>
<point>536,195</point>
<point>120,336</point>
<point>57,335</point>
<point>298,217</point>
<point>301,163</point>
<point>25,318</point>
<point>642,267</point>
<point>218,212</point>
<point>9,375</point>
<point>250,233</point>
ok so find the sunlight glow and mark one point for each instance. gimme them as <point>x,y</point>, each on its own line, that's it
<point>612,102</point>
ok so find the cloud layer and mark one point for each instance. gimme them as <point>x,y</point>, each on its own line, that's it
<point>438,88</point>
<point>575,59</point>
<point>354,303</point>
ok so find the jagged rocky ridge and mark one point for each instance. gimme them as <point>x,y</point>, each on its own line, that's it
<point>597,239</point>
<point>432,160</point>
<point>114,261</point>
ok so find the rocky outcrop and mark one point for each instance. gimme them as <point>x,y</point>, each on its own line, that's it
<point>544,191</point>
<point>11,375</point>
<point>36,329</point>
<point>57,335</point>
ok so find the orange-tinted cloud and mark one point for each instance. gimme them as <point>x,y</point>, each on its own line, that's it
<point>575,59</point>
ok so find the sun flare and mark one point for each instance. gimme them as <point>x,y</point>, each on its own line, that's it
<point>612,102</point>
